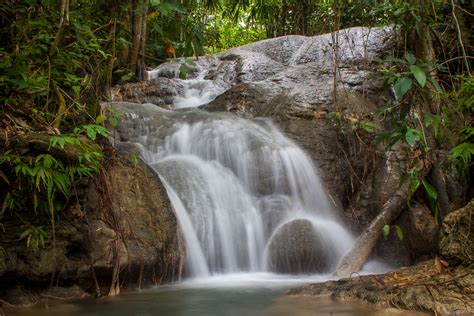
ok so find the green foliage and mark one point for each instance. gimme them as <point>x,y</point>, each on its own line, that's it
<point>398,231</point>
<point>462,153</point>
<point>43,182</point>
<point>185,67</point>
<point>401,72</point>
<point>225,32</point>
<point>35,238</point>
<point>347,123</point>
<point>432,198</point>
<point>92,130</point>
<point>111,117</point>
<point>413,176</point>
<point>134,159</point>
<point>402,86</point>
<point>399,75</point>
<point>195,28</point>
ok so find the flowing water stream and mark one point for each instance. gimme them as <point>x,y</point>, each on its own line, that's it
<point>235,185</point>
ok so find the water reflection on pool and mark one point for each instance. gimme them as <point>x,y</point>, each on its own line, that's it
<point>237,294</point>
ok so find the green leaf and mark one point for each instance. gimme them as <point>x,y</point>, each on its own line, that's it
<point>134,159</point>
<point>412,136</point>
<point>419,75</point>
<point>410,58</point>
<point>369,127</point>
<point>56,141</point>
<point>433,198</point>
<point>76,89</point>
<point>430,190</point>
<point>463,152</point>
<point>25,233</point>
<point>385,231</point>
<point>435,85</point>
<point>395,60</point>
<point>183,71</point>
<point>413,187</point>
<point>190,62</point>
<point>435,122</point>
<point>398,231</point>
<point>91,133</point>
<point>402,86</point>
<point>100,119</point>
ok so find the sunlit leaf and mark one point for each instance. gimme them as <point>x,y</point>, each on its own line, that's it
<point>398,231</point>
<point>413,187</point>
<point>100,119</point>
<point>385,231</point>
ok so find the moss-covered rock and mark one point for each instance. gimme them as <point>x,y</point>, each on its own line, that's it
<point>457,242</point>
<point>118,230</point>
<point>423,287</point>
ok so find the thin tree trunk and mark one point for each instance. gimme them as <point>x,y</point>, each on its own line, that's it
<point>139,13</point>
<point>64,21</point>
<point>426,53</point>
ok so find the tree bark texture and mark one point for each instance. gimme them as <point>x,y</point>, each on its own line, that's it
<point>426,54</point>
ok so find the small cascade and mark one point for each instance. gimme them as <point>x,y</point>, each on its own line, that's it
<point>198,92</point>
<point>239,188</point>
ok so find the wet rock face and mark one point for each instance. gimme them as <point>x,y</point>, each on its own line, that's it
<point>457,242</point>
<point>422,231</point>
<point>158,91</point>
<point>297,248</point>
<point>291,80</point>
<point>297,92</point>
<point>134,212</point>
<point>124,221</point>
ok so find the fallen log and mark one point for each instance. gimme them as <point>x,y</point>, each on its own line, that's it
<point>363,246</point>
<point>40,143</point>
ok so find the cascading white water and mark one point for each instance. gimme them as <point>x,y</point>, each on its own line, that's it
<point>233,184</point>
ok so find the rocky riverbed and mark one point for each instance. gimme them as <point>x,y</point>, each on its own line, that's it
<point>443,286</point>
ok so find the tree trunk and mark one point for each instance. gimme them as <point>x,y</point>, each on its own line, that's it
<point>426,54</point>
<point>134,19</point>
<point>136,58</point>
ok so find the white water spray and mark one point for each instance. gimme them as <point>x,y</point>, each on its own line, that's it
<point>234,183</point>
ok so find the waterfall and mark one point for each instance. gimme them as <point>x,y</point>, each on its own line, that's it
<point>240,190</point>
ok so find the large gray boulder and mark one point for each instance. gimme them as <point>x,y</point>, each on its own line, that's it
<point>297,248</point>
